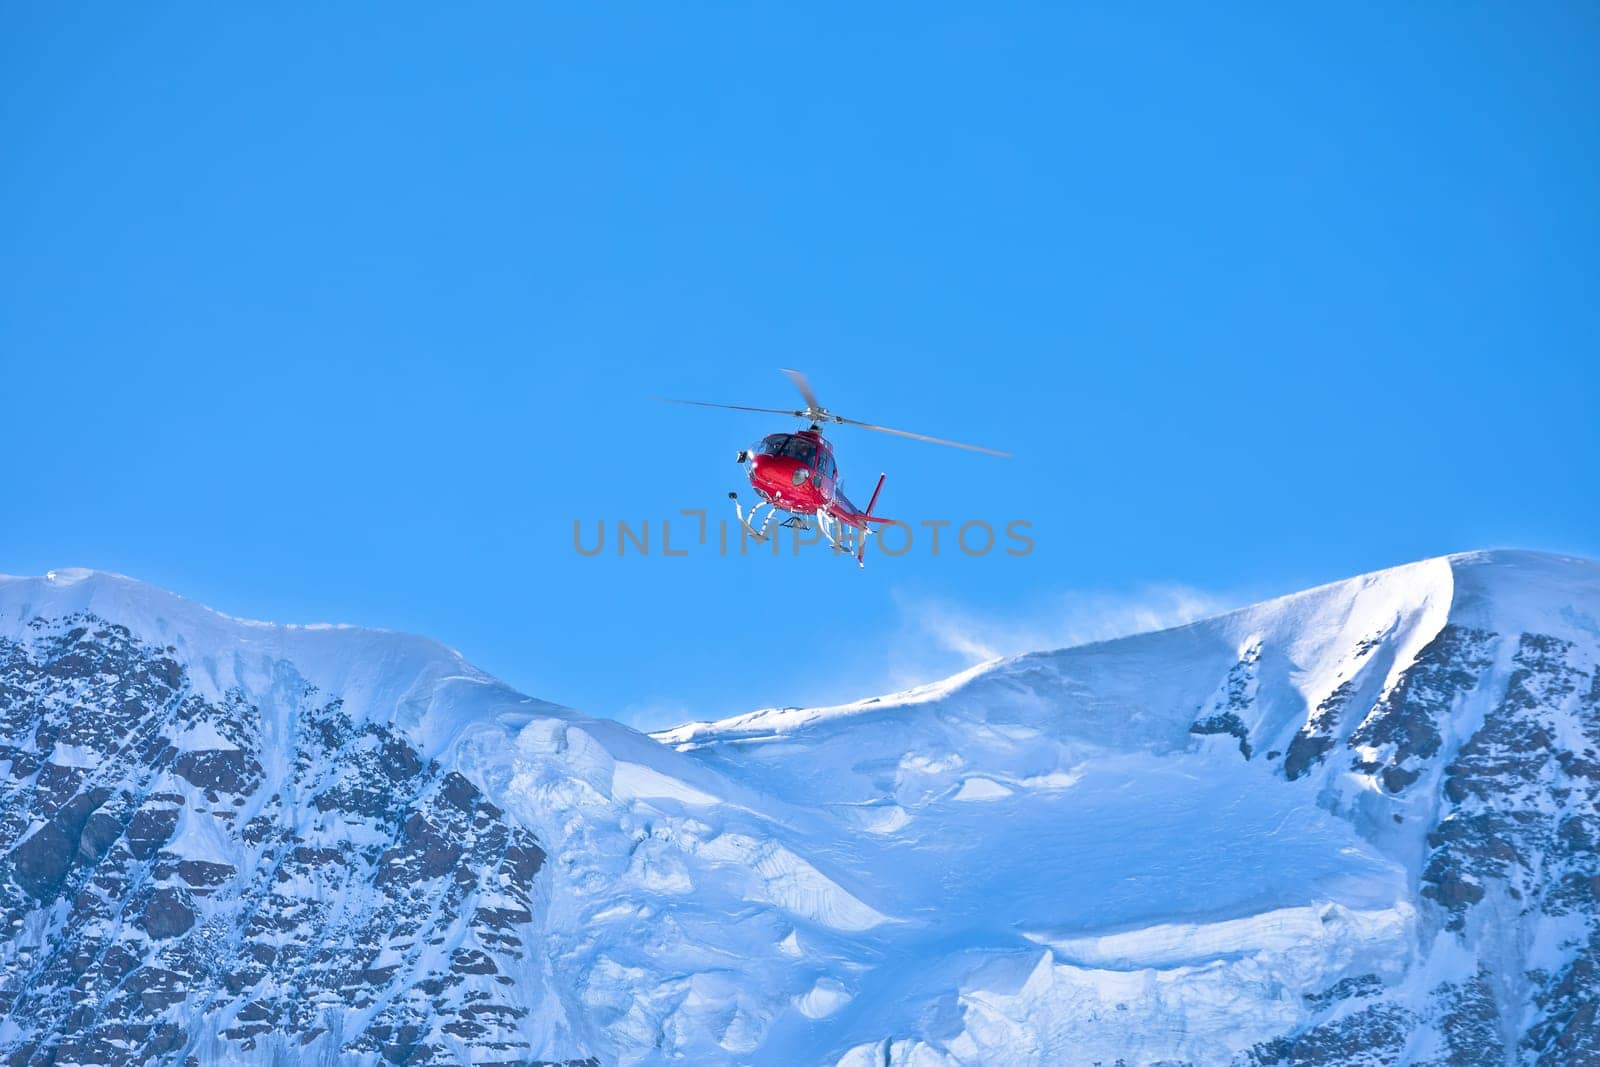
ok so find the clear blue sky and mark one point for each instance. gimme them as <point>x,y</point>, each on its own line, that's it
<point>346,312</point>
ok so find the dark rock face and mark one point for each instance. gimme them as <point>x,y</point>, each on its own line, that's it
<point>1313,741</point>
<point>1406,721</point>
<point>1469,1021</point>
<point>1374,1036</point>
<point>167,913</point>
<point>179,890</point>
<point>40,864</point>
<point>1235,695</point>
<point>1568,1030</point>
<point>1226,723</point>
<point>1502,819</point>
<point>1521,812</point>
<point>1363,985</point>
<point>1361,1030</point>
<point>1513,844</point>
<point>1504,731</point>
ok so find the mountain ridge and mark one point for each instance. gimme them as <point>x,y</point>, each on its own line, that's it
<point>1358,821</point>
<point>932,690</point>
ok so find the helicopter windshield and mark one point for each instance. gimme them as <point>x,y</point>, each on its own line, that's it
<point>802,449</point>
<point>788,446</point>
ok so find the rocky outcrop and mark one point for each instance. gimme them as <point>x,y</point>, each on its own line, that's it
<point>1368,1037</point>
<point>1404,727</point>
<point>187,882</point>
<point>1234,695</point>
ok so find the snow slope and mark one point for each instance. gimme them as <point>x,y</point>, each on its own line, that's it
<point>1354,825</point>
<point>1143,850</point>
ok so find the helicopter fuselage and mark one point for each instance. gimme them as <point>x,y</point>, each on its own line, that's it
<point>796,472</point>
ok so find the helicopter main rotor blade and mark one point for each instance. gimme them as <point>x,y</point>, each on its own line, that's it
<point>732,407</point>
<point>819,414</point>
<point>919,436</point>
<point>804,386</point>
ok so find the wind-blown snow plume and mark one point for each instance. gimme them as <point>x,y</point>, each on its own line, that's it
<point>1061,621</point>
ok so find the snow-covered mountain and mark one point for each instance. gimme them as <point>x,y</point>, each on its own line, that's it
<point>1357,825</point>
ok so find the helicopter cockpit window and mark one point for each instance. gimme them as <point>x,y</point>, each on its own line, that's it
<point>773,444</point>
<point>801,449</point>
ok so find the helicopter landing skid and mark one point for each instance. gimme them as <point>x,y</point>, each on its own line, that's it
<point>747,521</point>
<point>831,528</point>
<point>844,544</point>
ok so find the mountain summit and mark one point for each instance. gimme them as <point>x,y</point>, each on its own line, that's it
<point>1356,825</point>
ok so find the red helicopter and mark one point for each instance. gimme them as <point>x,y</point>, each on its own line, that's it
<point>795,473</point>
